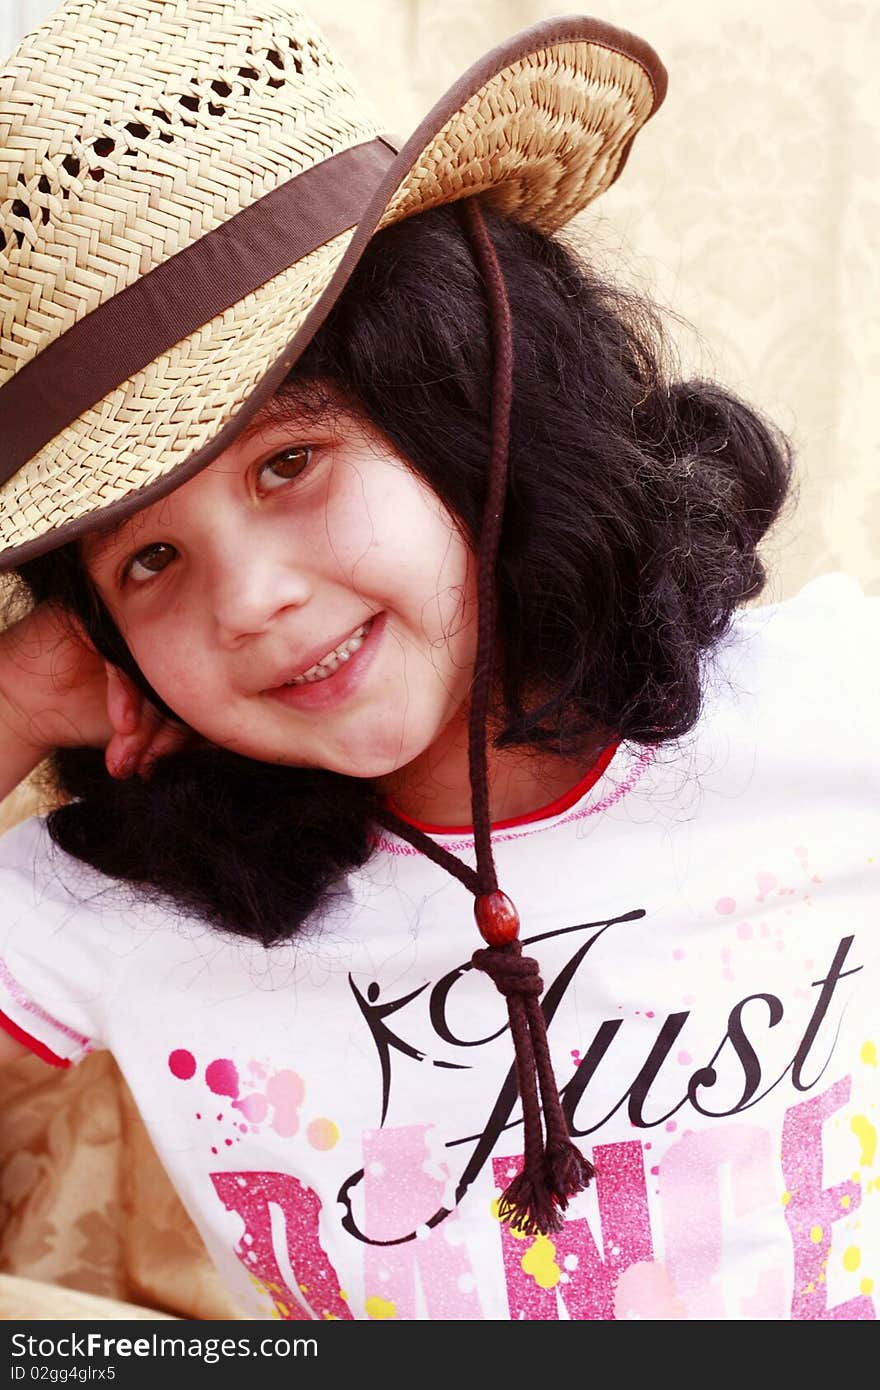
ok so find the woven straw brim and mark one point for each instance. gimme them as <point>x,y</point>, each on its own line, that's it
<point>149,427</point>
<point>541,137</point>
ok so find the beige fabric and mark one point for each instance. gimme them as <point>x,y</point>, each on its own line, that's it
<point>753,212</point>
<point>84,1203</point>
<point>29,1299</point>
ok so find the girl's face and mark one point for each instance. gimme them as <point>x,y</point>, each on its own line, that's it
<point>305,599</point>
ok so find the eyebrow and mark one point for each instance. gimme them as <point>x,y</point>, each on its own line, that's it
<point>286,409</point>
<point>97,541</point>
<point>254,425</point>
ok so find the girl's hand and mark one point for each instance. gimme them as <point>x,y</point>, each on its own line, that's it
<point>57,692</point>
<point>140,736</point>
<point>54,683</point>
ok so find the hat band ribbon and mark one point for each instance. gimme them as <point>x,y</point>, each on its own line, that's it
<point>129,331</point>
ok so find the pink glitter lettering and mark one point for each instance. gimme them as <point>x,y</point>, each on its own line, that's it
<point>248,1195</point>
<point>573,1271</point>
<point>812,1209</point>
<point>692,1179</point>
<point>403,1184</point>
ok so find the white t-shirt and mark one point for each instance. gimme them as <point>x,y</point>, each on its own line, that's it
<point>706,921</point>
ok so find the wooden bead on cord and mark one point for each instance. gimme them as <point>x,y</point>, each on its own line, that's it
<point>497,918</point>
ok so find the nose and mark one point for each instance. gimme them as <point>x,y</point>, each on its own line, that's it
<point>251,584</point>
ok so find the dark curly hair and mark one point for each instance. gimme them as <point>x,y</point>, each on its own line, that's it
<point>635,506</point>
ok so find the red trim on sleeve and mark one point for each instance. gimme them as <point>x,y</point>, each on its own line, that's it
<point>32,1044</point>
<point>553,808</point>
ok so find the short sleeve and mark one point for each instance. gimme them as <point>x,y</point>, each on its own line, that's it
<point>52,976</point>
<point>821,654</point>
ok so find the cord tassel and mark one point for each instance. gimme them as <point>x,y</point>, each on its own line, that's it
<point>554,1169</point>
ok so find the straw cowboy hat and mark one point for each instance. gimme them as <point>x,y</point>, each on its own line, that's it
<point>186,187</point>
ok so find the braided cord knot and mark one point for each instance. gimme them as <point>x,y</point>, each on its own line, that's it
<point>509,970</point>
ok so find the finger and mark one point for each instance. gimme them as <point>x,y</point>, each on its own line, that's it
<point>169,738</point>
<point>134,723</point>
<point>124,703</point>
<point>125,752</point>
<point>119,759</point>
<point>137,744</point>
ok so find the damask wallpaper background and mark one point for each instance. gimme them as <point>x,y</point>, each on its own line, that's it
<point>749,208</point>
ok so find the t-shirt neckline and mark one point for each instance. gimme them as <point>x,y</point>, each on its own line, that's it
<point>547,812</point>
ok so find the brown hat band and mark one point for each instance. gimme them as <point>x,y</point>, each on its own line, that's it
<point>128,331</point>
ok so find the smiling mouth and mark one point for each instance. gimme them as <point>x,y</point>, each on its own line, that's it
<point>335,658</point>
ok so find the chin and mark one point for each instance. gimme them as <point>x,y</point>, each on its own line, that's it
<point>380,759</point>
<point>365,769</point>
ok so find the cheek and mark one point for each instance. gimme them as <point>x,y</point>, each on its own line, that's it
<point>386,531</point>
<point>171,659</point>
<point>456,601</point>
<point>428,571</point>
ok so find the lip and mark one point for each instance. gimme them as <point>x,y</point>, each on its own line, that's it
<point>335,689</point>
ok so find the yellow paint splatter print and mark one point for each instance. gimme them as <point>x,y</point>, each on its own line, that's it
<point>380,1308</point>
<point>539,1262</point>
<point>866,1133</point>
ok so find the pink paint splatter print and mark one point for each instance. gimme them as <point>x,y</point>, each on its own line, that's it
<point>254,1107</point>
<point>222,1077</point>
<point>182,1064</point>
<point>285,1092</point>
<point>276,1099</point>
<point>766,883</point>
<point>803,856</point>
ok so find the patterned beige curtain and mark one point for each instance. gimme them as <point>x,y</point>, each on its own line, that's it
<point>749,207</point>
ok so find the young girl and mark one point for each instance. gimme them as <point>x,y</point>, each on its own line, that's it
<point>359,519</point>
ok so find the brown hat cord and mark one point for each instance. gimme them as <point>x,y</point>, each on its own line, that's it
<point>554,1169</point>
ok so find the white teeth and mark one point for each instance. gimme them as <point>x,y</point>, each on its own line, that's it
<point>333,660</point>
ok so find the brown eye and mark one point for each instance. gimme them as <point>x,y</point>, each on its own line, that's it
<point>284,468</point>
<point>149,561</point>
